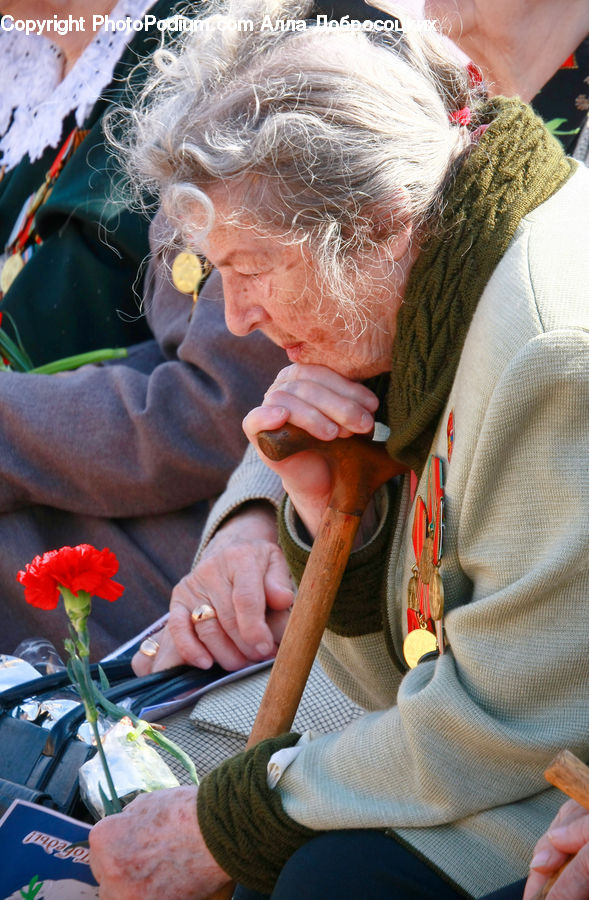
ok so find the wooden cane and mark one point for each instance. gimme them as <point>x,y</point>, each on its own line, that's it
<point>358,466</point>
<point>571,776</point>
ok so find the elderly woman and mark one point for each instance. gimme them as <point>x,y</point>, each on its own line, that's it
<point>419,253</point>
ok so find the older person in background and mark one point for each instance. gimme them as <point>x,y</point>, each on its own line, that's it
<point>538,51</point>
<point>126,455</point>
<point>70,256</point>
<point>412,261</point>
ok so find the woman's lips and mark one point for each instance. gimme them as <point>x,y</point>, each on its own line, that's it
<point>294,351</point>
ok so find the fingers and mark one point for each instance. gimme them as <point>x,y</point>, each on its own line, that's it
<point>186,596</point>
<point>568,834</point>
<point>321,410</point>
<point>142,662</point>
<point>249,610</point>
<point>545,863</point>
<point>244,630</point>
<point>320,401</point>
<point>277,622</point>
<point>264,418</point>
<point>243,577</point>
<point>221,647</point>
<point>168,654</point>
<point>259,584</point>
<point>291,376</point>
<point>573,882</point>
<point>233,584</point>
<point>277,581</point>
<point>572,835</point>
<point>154,849</point>
<point>240,633</point>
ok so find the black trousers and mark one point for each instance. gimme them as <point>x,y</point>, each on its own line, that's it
<point>362,865</point>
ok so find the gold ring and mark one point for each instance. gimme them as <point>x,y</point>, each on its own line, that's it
<point>202,613</point>
<point>149,646</point>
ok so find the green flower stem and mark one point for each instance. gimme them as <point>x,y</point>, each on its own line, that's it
<point>117,807</point>
<point>117,712</point>
<point>86,688</point>
<point>78,607</point>
<point>80,359</point>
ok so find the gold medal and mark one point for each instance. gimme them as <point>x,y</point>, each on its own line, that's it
<point>425,591</point>
<point>417,643</point>
<point>11,268</point>
<point>187,272</point>
<point>426,563</point>
<point>412,598</point>
<point>436,597</point>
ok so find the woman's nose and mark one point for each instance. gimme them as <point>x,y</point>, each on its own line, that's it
<point>243,314</point>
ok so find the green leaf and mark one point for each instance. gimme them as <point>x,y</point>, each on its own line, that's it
<point>109,807</point>
<point>77,670</point>
<point>71,670</point>
<point>174,750</point>
<point>553,127</point>
<point>8,348</point>
<point>80,359</point>
<point>33,888</point>
<point>142,726</point>
<point>117,712</point>
<point>15,353</point>
<point>104,682</point>
<point>18,338</point>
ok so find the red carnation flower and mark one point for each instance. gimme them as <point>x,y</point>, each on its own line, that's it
<point>81,568</point>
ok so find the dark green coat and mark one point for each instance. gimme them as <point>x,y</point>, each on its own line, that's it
<point>81,289</point>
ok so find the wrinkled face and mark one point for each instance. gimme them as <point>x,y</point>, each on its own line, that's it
<point>272,286</point>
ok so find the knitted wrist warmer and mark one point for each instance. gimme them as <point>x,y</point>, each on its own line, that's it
<point>242,820</point>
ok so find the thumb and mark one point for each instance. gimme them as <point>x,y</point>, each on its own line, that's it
<point>278,585</point>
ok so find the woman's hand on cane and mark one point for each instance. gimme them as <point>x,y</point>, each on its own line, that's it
<point>326,405</point>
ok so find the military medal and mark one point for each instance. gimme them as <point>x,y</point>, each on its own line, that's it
<point>12,266</point>
<point>417,644</point>
<point>188,272</point>
<point>450,434</point>
<point>425,591</point>
<point>24,239</point>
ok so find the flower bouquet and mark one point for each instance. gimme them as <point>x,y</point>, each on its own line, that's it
<point>77,574</point>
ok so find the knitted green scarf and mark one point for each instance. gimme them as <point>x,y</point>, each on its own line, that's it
<point>515,167</point>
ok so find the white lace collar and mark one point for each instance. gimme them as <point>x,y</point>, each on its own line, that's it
<point>34,100</point>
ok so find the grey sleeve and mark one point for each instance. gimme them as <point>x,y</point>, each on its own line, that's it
<point>251,481</point>
<point>158,432</point>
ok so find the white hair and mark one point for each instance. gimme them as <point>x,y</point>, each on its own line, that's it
<point>329,137</point>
